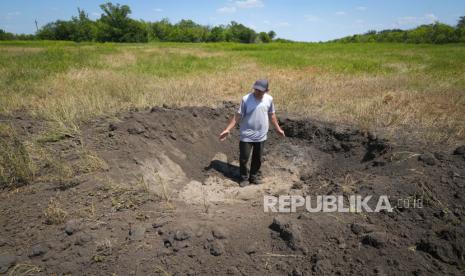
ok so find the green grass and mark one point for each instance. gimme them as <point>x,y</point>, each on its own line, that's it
<point>67,82</point>
<point>173,64</point>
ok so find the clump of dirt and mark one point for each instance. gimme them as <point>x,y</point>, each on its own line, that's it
<point>167,202</point>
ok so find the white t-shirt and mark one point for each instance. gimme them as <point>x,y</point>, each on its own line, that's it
<point>255,117</point>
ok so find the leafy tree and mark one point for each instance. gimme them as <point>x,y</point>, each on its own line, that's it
<point>188,31</point>
<point>58,30</point>
<point>461,22</point>
<point>83,27</point>
<point>115,25</point>
<point>264,37</point>
<point>460,30</point>
<point>216,34</point>
<point>442,33</point>
<point>79,28</point>
<point>6,36</point>
<point>239,33</point>
<point>437,33</point>
<point>159,31</point>
<point>272,34</point>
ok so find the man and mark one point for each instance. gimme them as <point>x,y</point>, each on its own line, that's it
<point>255,111</point>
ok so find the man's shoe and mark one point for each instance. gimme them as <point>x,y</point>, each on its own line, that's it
<point>256,181</point>
<point>243,182</point>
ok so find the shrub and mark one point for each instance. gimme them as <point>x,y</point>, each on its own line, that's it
<point>16,168</point>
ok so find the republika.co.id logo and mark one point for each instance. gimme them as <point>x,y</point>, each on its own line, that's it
<point>333,203</point>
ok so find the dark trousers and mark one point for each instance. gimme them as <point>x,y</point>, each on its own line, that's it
<point>244,153</point>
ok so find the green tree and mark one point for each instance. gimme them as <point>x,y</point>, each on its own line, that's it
<point>83,27</point>
<point>264,37</point>
<point>160,30</point>
<point>442,33</point>
<point>239,33</point>
<point>115,25</point>
<point>58,30</point>
<point>6,36</point>
<point>461,22</point>
<point>460,30</point>
<point>272,34</point>
<point>216,34</point>
<point>188,31</point>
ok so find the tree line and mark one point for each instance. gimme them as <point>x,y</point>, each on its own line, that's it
<point>436,33</point>
<point>115,25</point>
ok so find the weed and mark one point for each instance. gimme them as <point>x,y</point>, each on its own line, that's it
<point>24,269</point>
<point>54,214</point>
<point>165,195</point>
<point>16,167</point>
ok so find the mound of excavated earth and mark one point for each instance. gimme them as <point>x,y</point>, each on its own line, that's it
<point>167,202</point>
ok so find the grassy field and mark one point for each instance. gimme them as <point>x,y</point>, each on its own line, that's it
<point>399,88</point>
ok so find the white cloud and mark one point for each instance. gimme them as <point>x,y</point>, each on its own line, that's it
<point>227,10</point>
<point>279,24</point>
<point>95,14</point>
<point>247,4</point>
<point>283,24</point>
<point>359,21</point>
<point>10,15</point>
<point>311,18</point>
<point>361,8</point>
<point>341,13</point>
<point>158,10</point>
<point>13,13</point>
<point>232,7</point>
<point>412,21</point>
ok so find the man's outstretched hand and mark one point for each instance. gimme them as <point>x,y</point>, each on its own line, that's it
<point>281,132</point>
<point>224,135</point>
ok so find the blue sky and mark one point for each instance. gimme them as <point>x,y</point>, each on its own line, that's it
<point>311,20</point>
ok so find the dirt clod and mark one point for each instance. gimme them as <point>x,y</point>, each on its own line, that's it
<point>219,233</point>
<point>6,261</point>
<point>288,231</point>
<point>181,235</point>
<point>216,248</point>
<point>460,150</point>
<point>38,250</point>
<point>375,239</point>
<point>428,159</point>
<point>72,226</point>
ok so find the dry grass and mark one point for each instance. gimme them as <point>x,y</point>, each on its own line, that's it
<point>399,102</point>
<point>24,269</point>
<point>54,214</point>
<point>433,114</point>
<point>16,167</point>
<point>89,162</point>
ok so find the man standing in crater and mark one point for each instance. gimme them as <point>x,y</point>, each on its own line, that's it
<point>254,114</point>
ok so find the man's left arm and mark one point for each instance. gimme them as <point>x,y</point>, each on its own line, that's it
<point>274,120</point>
<point>275,123</point>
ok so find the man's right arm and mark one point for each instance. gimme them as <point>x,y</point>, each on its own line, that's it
<point>234,120</point>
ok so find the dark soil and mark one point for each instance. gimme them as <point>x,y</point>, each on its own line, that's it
<point>167,202</point>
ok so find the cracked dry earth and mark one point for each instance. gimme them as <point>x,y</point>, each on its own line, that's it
<point>167,203</point>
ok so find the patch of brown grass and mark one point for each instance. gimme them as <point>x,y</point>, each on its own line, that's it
<point>54,214</point>
<point>16,167</point>
<point>20,50</point>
